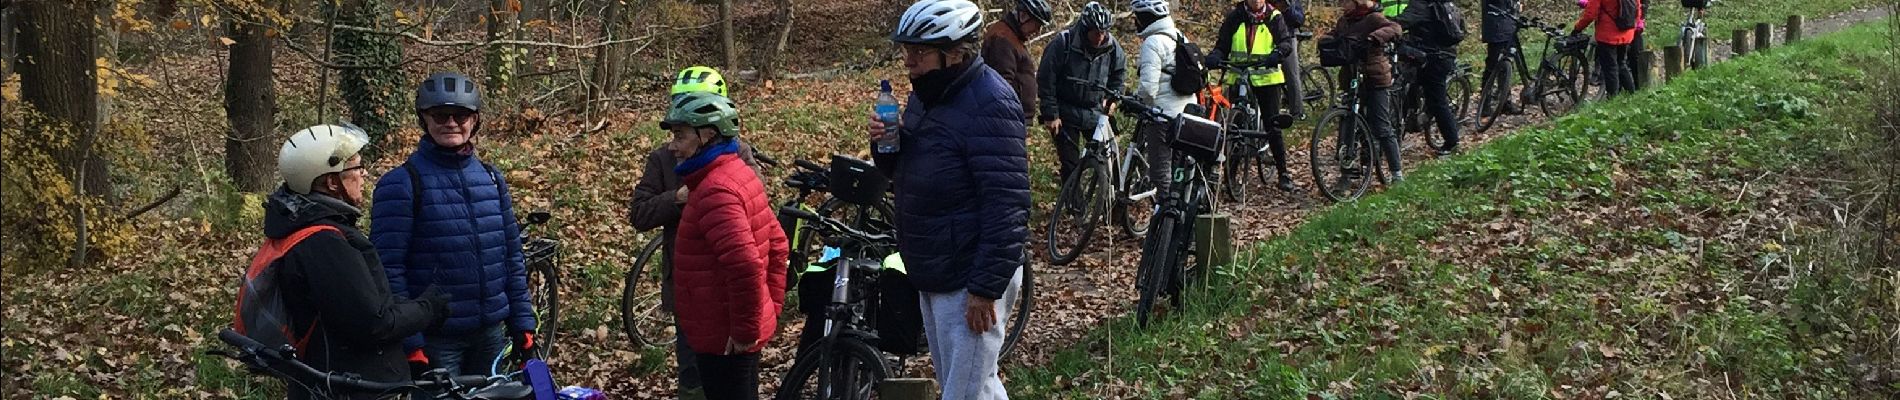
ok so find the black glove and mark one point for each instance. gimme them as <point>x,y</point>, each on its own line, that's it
<point>1215,60</point>
<point>438,304</point>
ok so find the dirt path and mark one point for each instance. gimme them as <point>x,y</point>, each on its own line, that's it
<point>1722,48</point>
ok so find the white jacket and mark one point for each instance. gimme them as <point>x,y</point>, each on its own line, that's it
<point>1157,56</point>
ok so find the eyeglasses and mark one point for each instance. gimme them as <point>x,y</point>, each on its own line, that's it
<point>357,170</point>
<point>444,118</point>
<point>915,51</point>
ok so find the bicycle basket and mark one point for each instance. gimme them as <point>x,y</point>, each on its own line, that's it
<point>856,181</point>
<point>1198,137</point>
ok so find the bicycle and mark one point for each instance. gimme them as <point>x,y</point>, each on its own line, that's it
<point>1564,75</point>
<point>1246,146</point>
<point>1494,90</point>
<point>1342,150</point>
<point>1693,28</point>
<point>1315,84</point>
<point>1105,180</point>
<point>542,256</point>
<point>844,363</point>
<point>1408,97</point>
<point>282,363</point>
<point>1163,270</point>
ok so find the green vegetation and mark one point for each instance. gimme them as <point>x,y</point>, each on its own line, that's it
<point>1649,246</point>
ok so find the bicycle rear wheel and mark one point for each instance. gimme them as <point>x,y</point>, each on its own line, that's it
<point>642,315</point>
<point>1135,204</point>
<point>1492,96</point>
<point>851,371</point>
<point>1318,84</point>
<point>1019,312</point>
<point>1072,222</point>
<point>1340,152</point>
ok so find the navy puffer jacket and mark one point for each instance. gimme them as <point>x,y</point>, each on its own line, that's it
<point>466,240</point>
<point>962,183</point>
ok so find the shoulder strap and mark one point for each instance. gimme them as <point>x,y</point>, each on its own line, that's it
<point>415,190</point>
<point>301,342</point>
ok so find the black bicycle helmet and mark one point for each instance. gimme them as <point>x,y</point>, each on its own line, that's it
<point>448,89</point>
<point>1094,16</point>
<point>1038,9</point>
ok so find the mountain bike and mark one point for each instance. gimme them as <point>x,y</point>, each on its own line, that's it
<point>1247,154</point>
<point>542,256</point>
<point>1107,183</point>
<point>1496,85</point>
<point>1164,268</point>
<point>1408,98</point>
<point>282,363</point>
<point>1342,150</point>
<point>844,363</point>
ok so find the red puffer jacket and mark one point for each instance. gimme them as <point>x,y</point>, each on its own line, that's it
<point>729,261</point>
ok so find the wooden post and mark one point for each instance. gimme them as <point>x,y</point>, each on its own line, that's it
<point>1645,69</point>
<point>1764,36</point>
<point>1699,58</point>
<point>1672,62</point>
<point>1739,42</point>
<point>1794,28</point>
<point>1213,239</point>
<point>907,389</point>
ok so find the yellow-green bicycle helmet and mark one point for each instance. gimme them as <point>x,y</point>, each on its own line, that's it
<point>699,78</point>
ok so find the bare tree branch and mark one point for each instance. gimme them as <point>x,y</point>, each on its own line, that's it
<point>511,42</point>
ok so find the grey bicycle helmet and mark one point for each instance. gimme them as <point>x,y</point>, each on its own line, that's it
<point>448,89</point>
<point>1038,9</point>
<point>1094,16</point>
<point>939,22</point>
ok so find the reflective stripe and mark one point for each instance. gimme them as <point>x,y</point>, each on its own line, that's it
<point>1392,7</point>
<point>895,262</point>
<point>1244,51</point>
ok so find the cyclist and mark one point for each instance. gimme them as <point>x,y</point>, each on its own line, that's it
<point>1070,109</point>
<point>333,279</point>
<point>444,219</point>
<point>1004,49</point>
<point>1155,70</point>
<point>1365,33</point>
<point>656,203</point>
<point>1613,44</point>
<point>1254,35</point>
<point>1499,32</point>
<point>730,255</point>
<point>1295,13</point>
<point>1434,28</point>
<point>962,192</point>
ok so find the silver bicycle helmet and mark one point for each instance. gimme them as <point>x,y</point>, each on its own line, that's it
<point>1151,7</point>
<point>939,22</point>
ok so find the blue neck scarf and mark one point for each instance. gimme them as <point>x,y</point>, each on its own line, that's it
<point>706,156</point>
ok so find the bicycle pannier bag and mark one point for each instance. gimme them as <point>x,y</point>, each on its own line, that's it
<point>1198,137</point>
<point>856,181</point>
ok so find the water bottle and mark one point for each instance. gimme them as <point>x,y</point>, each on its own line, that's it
<point>887,112</point>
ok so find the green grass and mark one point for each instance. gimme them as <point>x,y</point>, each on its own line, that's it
<point>1574,259</point>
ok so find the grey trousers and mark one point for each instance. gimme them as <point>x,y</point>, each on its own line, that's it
<point>965,360</point>
<point>1295,90</point>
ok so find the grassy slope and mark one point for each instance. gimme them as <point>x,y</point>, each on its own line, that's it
<point>1603,254</point>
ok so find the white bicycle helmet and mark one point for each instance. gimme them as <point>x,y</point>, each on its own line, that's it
<point>315,151</point>
<point>939,22</point>
<point>1151,7</point>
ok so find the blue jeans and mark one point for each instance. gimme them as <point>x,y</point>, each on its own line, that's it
<point>471,353</point>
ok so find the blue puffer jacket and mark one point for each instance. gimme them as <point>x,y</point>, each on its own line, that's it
<point>962,183</point>
<point>465,240</point>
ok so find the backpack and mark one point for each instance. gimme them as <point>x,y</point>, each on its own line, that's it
<point>1626,14</point>
<point>260,312</point>
<point>1189,76</point>
<point>1449,25</point>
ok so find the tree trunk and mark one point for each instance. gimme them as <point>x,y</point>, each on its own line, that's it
<point>606,71</point>
<point>725,38</point>
<point>376,96</point>
<point>770,70</point>
<point>501,60</point>
<point>250,104</point>
<point>58,79</point>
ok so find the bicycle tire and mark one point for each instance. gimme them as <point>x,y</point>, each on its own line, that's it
<point>1076,205</point>
<point>1156,255</point>
<point>1318,84</point>
<point>1020,312</point>
<point>1556,84</point>
<point>548,310</point>
<point>1241,153</point>
<point>641,316</point>
<point>806,374</point>
<point>1492,95</point>
<point>1333,150</point>
<point>1133,214</point>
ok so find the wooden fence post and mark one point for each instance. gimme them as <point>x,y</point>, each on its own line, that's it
<point>1739,42</point>
<point>1672,62</point>
<point>1645,69</point>
<point>1764,36</point>
<point>1794,28</point>
<point>1699,58</point>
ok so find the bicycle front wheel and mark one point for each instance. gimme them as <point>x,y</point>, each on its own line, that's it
<point>1019,312</point>
<point>642,315</point>
<point>1492,96</point>
<point>1136,204</point>
<point>852,370</point>
<point>544,279</point>
<point>1340,152</point>
<point>1557,84</point>
<point>1072,222</point>
<point>1157,258</point>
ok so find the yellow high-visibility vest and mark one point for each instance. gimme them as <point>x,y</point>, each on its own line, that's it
<point>1244,52</point>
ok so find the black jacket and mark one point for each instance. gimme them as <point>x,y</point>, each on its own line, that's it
<point>1498,28</point>
<point>336,281</point>
<point>1069,55</point>
<point>1239,16</point>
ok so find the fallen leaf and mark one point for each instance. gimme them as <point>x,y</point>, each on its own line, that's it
<point>227,41</point>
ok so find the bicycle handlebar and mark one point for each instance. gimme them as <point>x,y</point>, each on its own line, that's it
<point>833,226</point>
<point>1128,103</point>
<point>279,363</point>
<point>809,165</point>
<point>764,158</point>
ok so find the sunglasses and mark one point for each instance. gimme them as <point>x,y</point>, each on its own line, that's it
<point>444,118</point>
